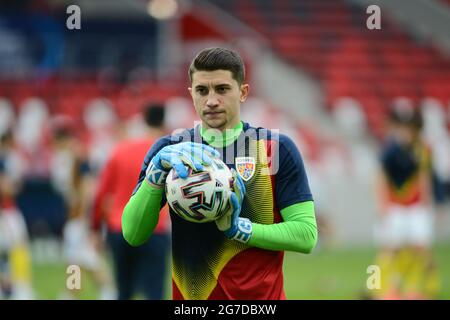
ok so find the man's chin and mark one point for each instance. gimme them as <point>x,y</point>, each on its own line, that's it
<point>219,125</point>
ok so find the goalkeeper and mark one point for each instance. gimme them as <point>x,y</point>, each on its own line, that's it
<point>240,256</point>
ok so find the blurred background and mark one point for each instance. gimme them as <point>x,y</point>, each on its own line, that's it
<point>316,72</point>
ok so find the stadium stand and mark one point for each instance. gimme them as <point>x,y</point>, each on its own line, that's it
<point>328,39</point>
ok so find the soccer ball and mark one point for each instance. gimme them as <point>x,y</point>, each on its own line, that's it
<point>204,195</point>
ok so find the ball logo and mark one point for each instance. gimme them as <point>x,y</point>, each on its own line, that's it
<point>246,167</point>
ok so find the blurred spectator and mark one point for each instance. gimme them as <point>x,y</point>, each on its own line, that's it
<point>350,118</point>
<point>71,177</point>
<point>352,123</point>
<point>41,203</point>
<point>6,116</point>
<point>138,270</point>
<point>255,111</point>
<point>101,121</point>
<point>437,137</point>
<point>406,227</point>
<point>179,113</point>
<point>15,260</point>
<point>33,118</point>
<point>325,225</point>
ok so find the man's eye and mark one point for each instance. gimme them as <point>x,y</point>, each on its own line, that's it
<point>221,89</point>
<point>201,91</point>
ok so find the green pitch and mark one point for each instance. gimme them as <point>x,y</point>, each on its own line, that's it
<point>342,274</point>
<point>325,274</point>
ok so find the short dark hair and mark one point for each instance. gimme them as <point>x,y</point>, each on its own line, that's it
<point>216,58</point>
<point>409,116</point>
<point>154,115</point>
<point>6,136</point>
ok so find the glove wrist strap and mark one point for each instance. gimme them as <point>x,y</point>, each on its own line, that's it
<point>156,176</point>
<point>243,231</point>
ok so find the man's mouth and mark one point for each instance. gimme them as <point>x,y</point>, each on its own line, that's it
<point>206,113</point>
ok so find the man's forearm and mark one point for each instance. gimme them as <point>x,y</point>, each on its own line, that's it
<point>141,214</point>
<point>298,232</point>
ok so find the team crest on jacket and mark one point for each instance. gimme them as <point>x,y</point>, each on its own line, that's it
<point>246,167</point>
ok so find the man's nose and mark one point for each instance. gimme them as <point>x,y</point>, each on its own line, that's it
<point>212,101</point>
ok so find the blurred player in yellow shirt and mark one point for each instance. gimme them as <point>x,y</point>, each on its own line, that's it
<point>15,258</point>
<point>406,224</point>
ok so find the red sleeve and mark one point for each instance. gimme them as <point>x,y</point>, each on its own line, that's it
<point>105,188</point>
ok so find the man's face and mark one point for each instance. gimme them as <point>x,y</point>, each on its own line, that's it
<point>404,134</point>
<point>217,98</point>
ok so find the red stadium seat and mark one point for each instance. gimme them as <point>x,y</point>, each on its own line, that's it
<point>325,38</point>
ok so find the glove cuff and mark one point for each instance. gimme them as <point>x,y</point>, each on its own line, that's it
<point>156,176</point>
<point>243,230</point>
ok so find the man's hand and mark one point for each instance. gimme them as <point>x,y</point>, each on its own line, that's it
<point>231,224</point>
<point>177,156</point>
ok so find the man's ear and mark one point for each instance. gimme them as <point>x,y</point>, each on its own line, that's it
<point>190,91</point>
<point>245,89</point>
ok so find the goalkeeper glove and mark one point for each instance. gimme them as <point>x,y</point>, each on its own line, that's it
<point>233,226</point>
<point>177,156</point>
